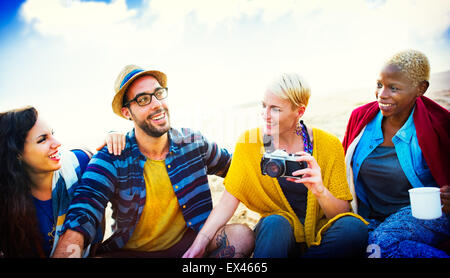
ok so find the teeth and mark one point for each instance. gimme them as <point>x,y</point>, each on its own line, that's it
<point>161,116</point>
<point>56,155</point>
<point>385,104</point>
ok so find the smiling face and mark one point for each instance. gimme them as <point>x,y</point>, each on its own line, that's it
<point>278,114</point>
<point>396,93</point>
<point>40,152</point>
<point>152,118</point>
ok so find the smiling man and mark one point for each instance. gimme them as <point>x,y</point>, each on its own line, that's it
<point>158,185</point>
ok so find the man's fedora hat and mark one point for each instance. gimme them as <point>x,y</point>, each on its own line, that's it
<point>126,76</point>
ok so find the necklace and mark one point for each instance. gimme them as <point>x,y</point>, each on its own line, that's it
<point>302,130</point>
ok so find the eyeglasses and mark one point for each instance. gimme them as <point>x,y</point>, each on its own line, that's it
<point>143,99</point>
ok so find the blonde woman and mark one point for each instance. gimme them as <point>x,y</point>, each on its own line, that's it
<point>400,141</point>
<point>306,215</point>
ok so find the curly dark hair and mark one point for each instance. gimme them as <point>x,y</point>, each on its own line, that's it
<point>19,234</point>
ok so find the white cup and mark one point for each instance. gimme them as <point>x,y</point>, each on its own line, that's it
<point>425,202</point>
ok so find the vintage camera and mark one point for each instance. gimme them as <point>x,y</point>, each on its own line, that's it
<point>281,164</point>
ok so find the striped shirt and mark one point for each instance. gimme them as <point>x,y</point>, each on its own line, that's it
<point>120,180</point>
<point>64,184</point>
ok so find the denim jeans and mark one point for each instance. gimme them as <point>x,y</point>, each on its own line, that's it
<point>347,237</point>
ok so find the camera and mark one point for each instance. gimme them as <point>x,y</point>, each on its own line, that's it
<point>281,164</point>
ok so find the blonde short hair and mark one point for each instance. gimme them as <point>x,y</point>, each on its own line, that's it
<point>413,63</point>
<point>293,87</point>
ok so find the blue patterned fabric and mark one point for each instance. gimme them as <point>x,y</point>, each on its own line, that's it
<point>64,183</point>
<point>403,236</point>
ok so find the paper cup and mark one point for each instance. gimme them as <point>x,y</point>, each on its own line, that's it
<point>425,202</point>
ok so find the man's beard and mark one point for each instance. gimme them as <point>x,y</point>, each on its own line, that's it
<point>150,129</point>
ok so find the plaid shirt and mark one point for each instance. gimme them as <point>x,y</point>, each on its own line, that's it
<point>120,180</point>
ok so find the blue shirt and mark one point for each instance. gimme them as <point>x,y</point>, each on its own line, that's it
<point>44,213</point>
<point>297,196</point>
<point>51,213</point>
<point>384,184</point>
<point>406,146</point>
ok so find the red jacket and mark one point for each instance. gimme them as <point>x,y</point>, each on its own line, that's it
<point>432,123</point>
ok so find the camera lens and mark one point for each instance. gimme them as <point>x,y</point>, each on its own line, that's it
<point>274,168</point>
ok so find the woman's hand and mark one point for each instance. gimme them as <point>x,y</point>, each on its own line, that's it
<point>312,177</point>
<point>115,142</point>
<point>445,198</point>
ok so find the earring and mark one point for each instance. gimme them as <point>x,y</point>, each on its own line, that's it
<point>19,159</point>
<point>298,129</point>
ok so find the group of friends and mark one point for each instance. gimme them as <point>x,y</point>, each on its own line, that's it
<point>351,199</point>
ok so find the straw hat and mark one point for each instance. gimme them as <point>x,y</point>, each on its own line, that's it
<point>128,74</point>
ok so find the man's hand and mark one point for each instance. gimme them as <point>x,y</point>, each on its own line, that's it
<point>70,245</point>
<point>198,247</point>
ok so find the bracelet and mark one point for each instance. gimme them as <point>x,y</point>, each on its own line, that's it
<point>207,237</point>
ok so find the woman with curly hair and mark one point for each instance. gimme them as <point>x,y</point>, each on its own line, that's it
<point>37,181</point>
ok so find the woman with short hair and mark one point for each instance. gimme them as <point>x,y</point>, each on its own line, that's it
<point>305,213</point>
<point>398,142</point>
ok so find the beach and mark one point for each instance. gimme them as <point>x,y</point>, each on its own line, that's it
<point>330,113</point>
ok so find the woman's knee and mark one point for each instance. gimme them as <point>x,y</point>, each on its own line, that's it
<point>274,223</point>
<point>347,237</point>
<point>274,237</point>
<point>352,229</point>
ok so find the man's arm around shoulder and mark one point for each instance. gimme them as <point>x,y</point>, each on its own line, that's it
<point>70,245</point>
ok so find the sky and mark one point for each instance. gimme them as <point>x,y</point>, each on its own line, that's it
<point>62,56</point>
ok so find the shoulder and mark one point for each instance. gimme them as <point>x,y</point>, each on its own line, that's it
<point>324,137</point>
<point>251,136</point>
<point>185,135</point>
<point>360,111</point>
<point>249,144</point>
<point>429,112</point>
<point>83,156</point>
<point>365,107</point>
<point>433,106</point>
<point>327,146</point>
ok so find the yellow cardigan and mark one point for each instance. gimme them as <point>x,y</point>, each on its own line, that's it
<point>264,195</point>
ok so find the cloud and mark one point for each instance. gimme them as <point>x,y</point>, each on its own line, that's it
<point>170,21</point>
<point>217,53</point>
<point>55,17</point>
<point>79,23</point>
<point>241,40</point>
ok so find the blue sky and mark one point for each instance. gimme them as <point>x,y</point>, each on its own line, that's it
<point>9,21</point>
<point>62,56</point>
